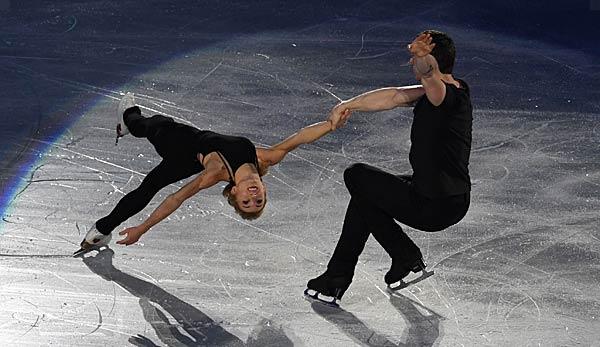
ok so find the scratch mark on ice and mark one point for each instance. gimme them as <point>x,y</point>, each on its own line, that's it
<point>211,71</point>
<point>225,288</point>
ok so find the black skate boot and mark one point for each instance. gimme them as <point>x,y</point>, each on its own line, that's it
<point>327,288</point>
<point>395,278</point>
<point>127,102</point>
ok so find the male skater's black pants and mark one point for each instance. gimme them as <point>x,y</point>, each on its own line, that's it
<point>377,199</point>
<point>170,170</point>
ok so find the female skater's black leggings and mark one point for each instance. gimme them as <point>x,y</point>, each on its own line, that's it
<point>170,170</point>
<point>378,199</point>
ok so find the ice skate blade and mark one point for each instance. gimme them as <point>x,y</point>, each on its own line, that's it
<point>119,135</point>
<point>86,249</point>
<point>314,297</point>
<point>401,284</point>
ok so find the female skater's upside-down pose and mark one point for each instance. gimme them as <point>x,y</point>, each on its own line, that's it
<point>185,151</point>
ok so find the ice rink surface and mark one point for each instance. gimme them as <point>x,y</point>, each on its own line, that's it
<point>522,268</point>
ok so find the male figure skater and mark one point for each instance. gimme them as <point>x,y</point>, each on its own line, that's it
<point>434,197</point>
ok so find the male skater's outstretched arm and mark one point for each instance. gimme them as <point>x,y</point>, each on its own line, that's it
<point>426,70</point>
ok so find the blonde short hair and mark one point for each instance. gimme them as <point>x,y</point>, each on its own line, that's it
<point>233,202</point>
<point>262,170</point>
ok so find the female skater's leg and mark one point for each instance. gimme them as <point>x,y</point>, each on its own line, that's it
<point>163,133</point>
<point>165,173</point>
<point>170,170</point>
<point>140,126</point>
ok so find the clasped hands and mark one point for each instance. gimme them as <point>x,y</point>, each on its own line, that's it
<point>339,115</point>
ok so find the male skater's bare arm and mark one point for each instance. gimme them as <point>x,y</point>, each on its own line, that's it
<point>383,99</point>
<point>205,179</point>
<point>376,100</point>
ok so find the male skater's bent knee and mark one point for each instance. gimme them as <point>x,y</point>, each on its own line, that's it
<point>354,175</point>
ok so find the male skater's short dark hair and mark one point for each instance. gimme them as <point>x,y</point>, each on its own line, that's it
<point>444,51</point>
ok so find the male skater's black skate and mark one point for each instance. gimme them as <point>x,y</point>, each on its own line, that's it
<point>395,278</point>
<point>327,288</point>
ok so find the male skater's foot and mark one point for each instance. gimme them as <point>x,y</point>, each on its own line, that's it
<point>126,102</point>
<point>328,288</point>
<point>395,278</point>
<point>93,240</point>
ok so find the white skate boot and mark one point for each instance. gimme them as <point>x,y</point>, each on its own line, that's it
<point>93,240</point>
<point>126,102</point>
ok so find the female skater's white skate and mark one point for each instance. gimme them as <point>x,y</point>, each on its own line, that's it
<point>94,240</point>
<point>126,102</point>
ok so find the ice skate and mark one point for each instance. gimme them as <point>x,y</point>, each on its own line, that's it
<point>126,102</point>
<point>94,240</point>
<point>398,276</point>
<point>327,289</point>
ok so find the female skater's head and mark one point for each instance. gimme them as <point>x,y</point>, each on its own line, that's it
<point>444,51</point>
<point>248,197</point>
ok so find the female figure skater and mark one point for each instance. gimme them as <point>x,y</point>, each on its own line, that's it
<point>185,151</point>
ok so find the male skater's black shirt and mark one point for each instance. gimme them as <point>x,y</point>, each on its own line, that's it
<point>441,144</point>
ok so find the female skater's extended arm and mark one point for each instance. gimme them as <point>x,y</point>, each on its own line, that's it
<point>311,133</point>
<point>205,179</point>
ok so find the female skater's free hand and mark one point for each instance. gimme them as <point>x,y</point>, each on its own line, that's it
<point>133,235</point>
